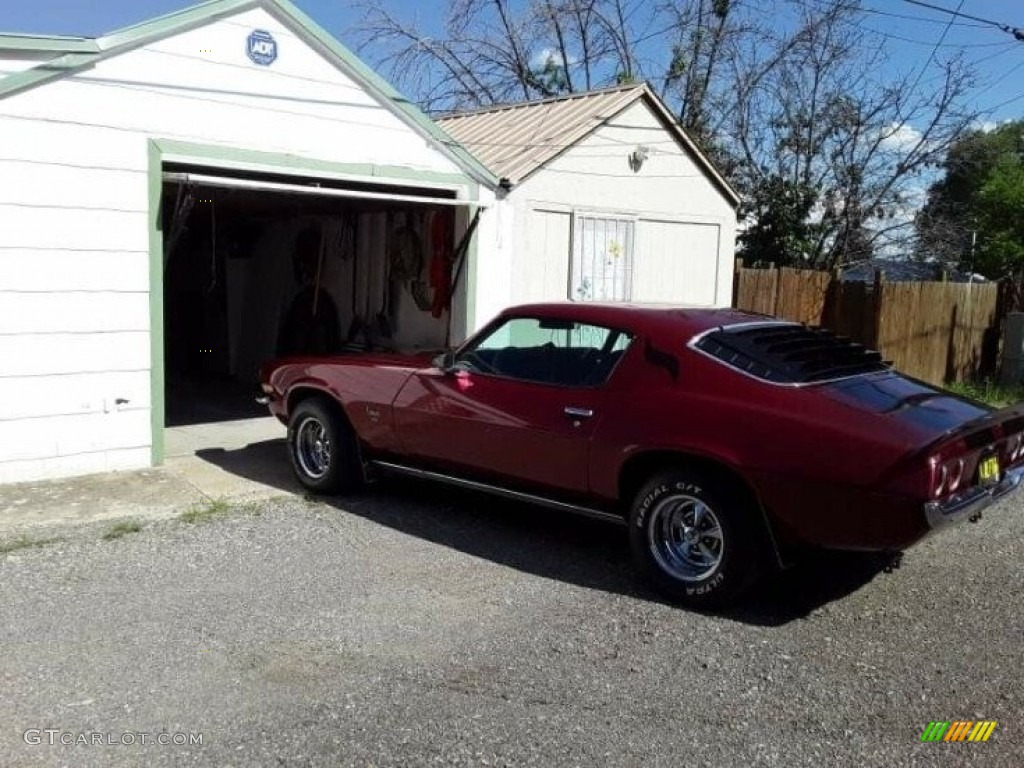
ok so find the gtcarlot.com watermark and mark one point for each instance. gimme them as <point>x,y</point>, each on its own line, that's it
<point>54,736</point>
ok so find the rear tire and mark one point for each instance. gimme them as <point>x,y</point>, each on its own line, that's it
<point>695,541</point>
<point>323,448</point>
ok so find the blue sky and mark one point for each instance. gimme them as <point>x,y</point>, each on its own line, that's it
<point>1000,58</point>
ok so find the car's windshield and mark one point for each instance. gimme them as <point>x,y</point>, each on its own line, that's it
<point>547,351</point>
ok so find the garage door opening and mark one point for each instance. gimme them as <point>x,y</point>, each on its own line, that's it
<point>257,267</point>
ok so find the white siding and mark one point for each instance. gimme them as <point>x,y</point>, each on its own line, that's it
<point>72,270</point>
<point>76,394</point>
<point>76,464</point>
<point>543,268</point>
<point>678,263</point>
<point>43,438</point>
<point>493,266</point>
<point>78,312</point>
<point>74,231</point>
<point>62,353</point>
<point>686,226</point>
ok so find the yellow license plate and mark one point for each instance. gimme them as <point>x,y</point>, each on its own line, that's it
<point>988,469</point>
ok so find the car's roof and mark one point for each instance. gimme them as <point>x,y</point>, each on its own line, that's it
<point>650,318</point>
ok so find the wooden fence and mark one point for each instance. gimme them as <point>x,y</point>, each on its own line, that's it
<point>936,331</point>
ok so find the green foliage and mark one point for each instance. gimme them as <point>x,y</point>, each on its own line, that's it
<point>25,542</point>
<point>989,392</point>
<point>551,78</point>
<point>982,191</point>
<point>122,529</point>
<point>205,512</point>
<point>779,232</point>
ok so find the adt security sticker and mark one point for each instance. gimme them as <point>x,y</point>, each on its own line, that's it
<point>262,48</point>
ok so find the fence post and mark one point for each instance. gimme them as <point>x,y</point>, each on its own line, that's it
<point>876,318</point>
<point>737,273</point>
<point>777,274</point>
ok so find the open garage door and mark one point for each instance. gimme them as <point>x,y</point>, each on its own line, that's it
<point>258,266</point>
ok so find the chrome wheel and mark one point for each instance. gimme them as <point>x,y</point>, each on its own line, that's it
<point>685,537</point>
<point>313,447</point>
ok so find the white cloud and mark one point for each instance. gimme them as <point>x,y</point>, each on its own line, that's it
<point>987,126</point>
<point>900,136</point>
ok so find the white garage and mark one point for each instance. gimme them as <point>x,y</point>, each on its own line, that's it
<point>609,200</point>
<point>185,199</point>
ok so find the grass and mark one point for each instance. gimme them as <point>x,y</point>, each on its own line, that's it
<point>122,529</point>
<point>989,392</point>
<point>203,513</point>
<point>25,542</point>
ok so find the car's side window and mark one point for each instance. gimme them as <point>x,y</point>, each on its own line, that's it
<point>547,351</point>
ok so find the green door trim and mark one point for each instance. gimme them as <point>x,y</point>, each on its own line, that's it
<point>157,376</point>
<point>161,151</point>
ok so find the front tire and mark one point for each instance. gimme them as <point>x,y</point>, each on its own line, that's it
<point>694,540</point>
<point>323,449</point>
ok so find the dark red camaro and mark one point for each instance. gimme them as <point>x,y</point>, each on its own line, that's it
<point>723,439</point>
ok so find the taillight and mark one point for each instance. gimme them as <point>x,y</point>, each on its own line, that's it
<point>946,475</point>
<point>1015,447</point>
<point>939,477</point>
<point>954,474</point>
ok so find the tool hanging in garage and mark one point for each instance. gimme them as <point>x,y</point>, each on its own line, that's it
<point>317,283</point>
<point>213,243</point>
<point>442,259</point>
<point>459,257</point>
<point>383,319</point>
<point>183,204</point>
<point>405,253</point>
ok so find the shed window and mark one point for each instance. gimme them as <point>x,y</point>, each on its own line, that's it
<point>602,258</point>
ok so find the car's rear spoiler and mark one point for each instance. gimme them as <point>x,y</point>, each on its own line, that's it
<point>985,430</point>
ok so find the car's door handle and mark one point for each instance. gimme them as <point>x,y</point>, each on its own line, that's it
<point>578,413</point>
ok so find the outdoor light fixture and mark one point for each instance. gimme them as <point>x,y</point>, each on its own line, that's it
<point>637,158</point>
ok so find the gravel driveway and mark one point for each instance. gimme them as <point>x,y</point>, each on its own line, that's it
<point>412,626</point>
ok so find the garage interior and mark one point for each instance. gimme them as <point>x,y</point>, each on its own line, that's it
<point>259,266</point>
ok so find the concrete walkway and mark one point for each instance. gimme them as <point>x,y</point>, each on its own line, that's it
<point>239,461</point>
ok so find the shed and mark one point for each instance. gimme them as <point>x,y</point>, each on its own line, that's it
<point>608,199</point>
<point>175,194</point>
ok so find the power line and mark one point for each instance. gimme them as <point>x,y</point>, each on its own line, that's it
<point>935,49</point>
<point>1016,32</point>
<point>864,9</point>
<point>1002,104</point>
<point>826,6</point>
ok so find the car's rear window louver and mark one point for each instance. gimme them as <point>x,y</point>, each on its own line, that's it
<point>790,354</point>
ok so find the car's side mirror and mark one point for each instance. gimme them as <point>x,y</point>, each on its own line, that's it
<point>445,361</point>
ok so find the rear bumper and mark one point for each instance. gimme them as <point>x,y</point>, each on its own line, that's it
<point>963,506</point>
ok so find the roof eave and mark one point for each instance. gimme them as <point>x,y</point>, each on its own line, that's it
<point>638,92</point>
<point>187,19</point>
<point>708,166</point>
<point>47,44</point>
<point>393,100</point>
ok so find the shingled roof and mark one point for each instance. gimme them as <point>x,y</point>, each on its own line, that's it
<point>514,141</point>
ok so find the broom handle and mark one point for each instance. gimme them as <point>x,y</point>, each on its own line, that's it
<point>319,269</point>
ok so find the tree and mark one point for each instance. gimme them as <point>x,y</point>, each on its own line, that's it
<point>974,216</point>
<point>795,100</point>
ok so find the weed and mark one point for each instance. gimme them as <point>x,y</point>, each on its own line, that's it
<point>25,542</point>
<point>989,392</point>
<point>203,513</point>
<point>121,529</point>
